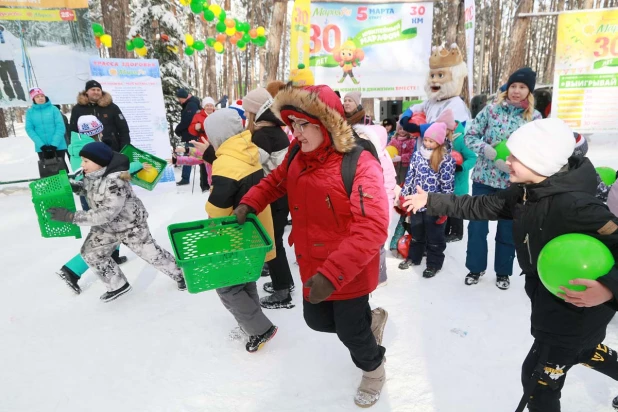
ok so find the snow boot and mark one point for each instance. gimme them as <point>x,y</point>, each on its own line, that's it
<point>472,278</point>
<point>453,238</point>
<point>256,342</point>
<point>430,272</point>
<point>237,334</point>
<point>503,282</point>
<point>182,285</point>
<point>268,287</point>
<point>70,278</point>
<point>182,182</point>
<point>280,299</point>
<point>109,296</point>
<point>615,403</point>
<point>406,264</point>
<point>379,317</point>
<point>370,387</point>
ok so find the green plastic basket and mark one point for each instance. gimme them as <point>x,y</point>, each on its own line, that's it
<point>216,253</point>
<point>137,155</point>
<point>54,191</point>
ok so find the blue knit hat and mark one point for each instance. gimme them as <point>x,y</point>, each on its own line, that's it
<point>98,152</point>
<point>524,75</point>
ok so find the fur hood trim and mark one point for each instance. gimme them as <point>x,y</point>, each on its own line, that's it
<point>106,99</point>
<point>309,104</point>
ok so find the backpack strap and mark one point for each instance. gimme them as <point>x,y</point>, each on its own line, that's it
<point>348,167</point>
<point>293,152</point>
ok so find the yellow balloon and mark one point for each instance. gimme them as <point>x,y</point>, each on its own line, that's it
<point>260,31</point>
<point>216,9</point>
<point>185,2</point>
<point>173,49</point>
<point>230,31</point>
<point>106,39</point>
<point>218,47</point>
<point>392,151</point>
<point>189,40</point>
<point>141,52</point>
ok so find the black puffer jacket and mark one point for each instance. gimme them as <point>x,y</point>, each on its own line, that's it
<point>115,128</point>
<point>564,203</point>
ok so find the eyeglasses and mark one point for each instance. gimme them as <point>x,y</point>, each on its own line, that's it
<point>301,126</point>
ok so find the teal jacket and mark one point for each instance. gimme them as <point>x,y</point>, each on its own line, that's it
<point>45,126</point>
<point>462,178</point>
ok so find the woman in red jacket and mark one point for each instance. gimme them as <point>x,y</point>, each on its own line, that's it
<point>336,237</point>
<point>197,129</point>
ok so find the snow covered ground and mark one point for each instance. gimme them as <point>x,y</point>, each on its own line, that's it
<point>450,347</point>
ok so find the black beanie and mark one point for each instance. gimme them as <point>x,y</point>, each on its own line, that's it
<point>182,93</point>
<point>93,83</point>
<point>524,75</point>
<point>98,152</point>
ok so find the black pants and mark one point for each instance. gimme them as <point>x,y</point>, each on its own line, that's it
<point>426,235</point>
<point>279,267</point>
<point>203,177</point>
<point>351,321</point>
<point>545,396</point>
<point>454,226</point>
<point>10,80</point>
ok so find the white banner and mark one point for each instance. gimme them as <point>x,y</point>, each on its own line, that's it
<point>470,26</point>
<point>135,86</point>
<point>381,50</point>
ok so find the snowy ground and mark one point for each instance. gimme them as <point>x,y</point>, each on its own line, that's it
<point>450,347</point>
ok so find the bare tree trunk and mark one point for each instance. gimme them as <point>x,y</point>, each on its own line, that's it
<point>116,21</point>
<point>4,132</point>
<point>211,63</point>
<point>588,4</point>
<point>277,25</point>
<point>453,18</point>
<point>517,50</point>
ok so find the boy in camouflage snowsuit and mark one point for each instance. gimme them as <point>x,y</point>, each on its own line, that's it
<point>116,216</point>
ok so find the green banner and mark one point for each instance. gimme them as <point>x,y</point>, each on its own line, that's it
<point>584,81</point>
<point>606,63</point>
<point>384,34</point>
<point>323,61</point>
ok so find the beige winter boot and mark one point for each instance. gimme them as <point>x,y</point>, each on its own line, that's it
<point>378,322</point>
<point>368,391</point>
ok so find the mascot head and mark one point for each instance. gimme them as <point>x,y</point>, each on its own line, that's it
<point>447,72</point>
<point>348,53</point>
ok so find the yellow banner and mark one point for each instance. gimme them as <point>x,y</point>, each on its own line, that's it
<point>586,70</point>
<point>46,4</point>
<point>300,33</point>
<point>37,15</point>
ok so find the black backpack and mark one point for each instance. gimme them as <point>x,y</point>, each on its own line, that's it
<point>350,160</point>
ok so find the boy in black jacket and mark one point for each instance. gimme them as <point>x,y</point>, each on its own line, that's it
<point>552,194</point>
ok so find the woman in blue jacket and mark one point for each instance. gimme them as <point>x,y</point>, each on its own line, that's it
<point>45,127</point>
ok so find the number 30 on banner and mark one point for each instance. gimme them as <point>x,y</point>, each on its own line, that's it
<point>606,46</point>
<point>329,38</point>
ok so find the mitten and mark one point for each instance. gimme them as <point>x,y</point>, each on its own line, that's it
<point>458,168</point>
<point>501,164</point>
<point>241,213</point>
<point>489,152</point>
<point>411,127</point>
<point>61,214</point>
<point>320,288</point>
<point>397,159</point>
<point>441,219</point>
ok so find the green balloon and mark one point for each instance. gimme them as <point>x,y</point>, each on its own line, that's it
<point>573,256</point>
<point>98,29</point>
<point>138,43</point>
<point>608,175</point>
<point>241,44</point>
<point>246,38</point>
<point>199,45</point>
<point>129,45</point>
<point>222,15</point>
<point>502,150</point>
<point>221,27</point>
<point>210,42</point>
<point>189,50</point>
<point>238,25</point>
<point>197,8</point>
<point>209,15</point>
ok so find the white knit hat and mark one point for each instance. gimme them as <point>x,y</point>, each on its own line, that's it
<point>543,145</point>
<point>89,125</point>
<point>208,100</point>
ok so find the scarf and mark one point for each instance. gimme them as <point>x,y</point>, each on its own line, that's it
<point>321,153</point>
<point>356,118</point>
<point>426,153</point>
<point>524,104</point>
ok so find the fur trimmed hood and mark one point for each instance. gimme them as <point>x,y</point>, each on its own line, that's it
<point>106,99</point>
<point>318,105</point>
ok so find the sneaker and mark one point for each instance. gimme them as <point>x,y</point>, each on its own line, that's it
<point>379,317</point>
<point>268,287</point>
<point>182,182</point>
<point>182,285</point>
<point>265,271</point>
<point>237,334</point>
<point>453,238</point>
<point>256,342</point>
<point>371,385</point>
<point>472,278</point>
<point>406,264</point>
<point>503,282</point>
<point>280,299</point>
<point>70,278</point>
<point>430,272</point>
<point>109,296</point>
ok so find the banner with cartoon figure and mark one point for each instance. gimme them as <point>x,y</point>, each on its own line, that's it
<point>380,50</point>
<point>586,72</point>
<point>46,44</point>
<point>135,85</point>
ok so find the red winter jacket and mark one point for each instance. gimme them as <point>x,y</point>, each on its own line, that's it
<point>199,117</point>
<point>334,235</point>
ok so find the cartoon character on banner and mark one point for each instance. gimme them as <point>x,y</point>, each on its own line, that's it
<point>348,56</point>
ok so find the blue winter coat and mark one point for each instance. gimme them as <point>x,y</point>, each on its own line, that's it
<point>421,174</point>
<point>45,126</point>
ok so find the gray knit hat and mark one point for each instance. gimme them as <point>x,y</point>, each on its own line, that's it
<point>221,125</point>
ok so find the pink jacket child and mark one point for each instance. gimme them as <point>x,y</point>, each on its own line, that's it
<point>404,143</point>
<point>193,158</point>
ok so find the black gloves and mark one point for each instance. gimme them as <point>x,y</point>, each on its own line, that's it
<point>458,168</point>
<point>61,214</point>
<point>409,127</point>
<point>241,213</point>
<point>321,288</point>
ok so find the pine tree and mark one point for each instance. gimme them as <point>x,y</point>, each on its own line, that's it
<point>154,21</point>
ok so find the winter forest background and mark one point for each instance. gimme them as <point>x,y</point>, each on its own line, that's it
<point>504,43</point>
